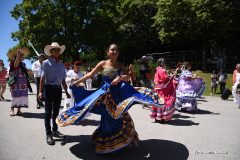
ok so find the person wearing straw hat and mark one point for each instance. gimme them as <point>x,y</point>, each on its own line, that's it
<point>52,77</point>
<point>37,69</point>
<point>19,88</point>
<point>145,72</point>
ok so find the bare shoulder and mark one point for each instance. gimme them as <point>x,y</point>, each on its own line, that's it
<point>104,63</point>
<point>101,63</point>
<point>99,66</point>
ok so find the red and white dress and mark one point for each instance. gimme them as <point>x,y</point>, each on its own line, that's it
<point>166,88</point>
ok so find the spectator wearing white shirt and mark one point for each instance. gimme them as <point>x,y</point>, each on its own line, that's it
<point>89,80</point>
<point>37,70</point>
<point>68,66</point>
<point>72,75</point>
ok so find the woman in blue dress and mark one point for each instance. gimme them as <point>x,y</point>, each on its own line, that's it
<point>112,101</point>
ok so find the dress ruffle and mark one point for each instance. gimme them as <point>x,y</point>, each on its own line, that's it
<point>188,90</point>
<point>116,128</point>
<point>116,140</point>
<point>166,90</point>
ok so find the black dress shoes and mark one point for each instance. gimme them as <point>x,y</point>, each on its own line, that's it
<point>38,106</point>
<point>50,140</point>
<point>58,134</point>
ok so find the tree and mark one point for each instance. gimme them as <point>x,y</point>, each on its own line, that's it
<point>134,21</point>
<point>175,22</point>
<point>196,23</point>
<point>137,26</point>
<point>77,24</point>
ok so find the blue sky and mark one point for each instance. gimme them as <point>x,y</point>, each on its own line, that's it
<point>8,25</point>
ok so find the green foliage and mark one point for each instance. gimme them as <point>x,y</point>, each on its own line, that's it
<point>203,23</point>
<point>80,25</point>
<point>137,26</point>
<point>134,21</point>
<point>174,20</point>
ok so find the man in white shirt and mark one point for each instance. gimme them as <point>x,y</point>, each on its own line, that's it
<point>89,81</point>
<point>72,75</point>
<point>37,70</point>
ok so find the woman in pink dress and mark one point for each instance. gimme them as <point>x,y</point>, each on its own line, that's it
<point>165,86</point>
<point>3,81</point>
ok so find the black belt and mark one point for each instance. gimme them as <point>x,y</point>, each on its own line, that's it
<point>53,86</point>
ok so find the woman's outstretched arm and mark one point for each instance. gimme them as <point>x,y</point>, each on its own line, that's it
<point>95,70</point>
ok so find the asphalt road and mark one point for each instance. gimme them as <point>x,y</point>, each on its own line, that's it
<point>211,133</point>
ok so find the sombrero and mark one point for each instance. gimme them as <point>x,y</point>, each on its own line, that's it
<point>12,54</point>
<point>53,45</point>
<point>145,58</point>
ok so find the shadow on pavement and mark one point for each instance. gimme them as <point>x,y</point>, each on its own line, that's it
<point>32,115</point>
<point>181,116</point>
<point>202,100</point>
<point>200,111</point>
<point>6,100</point>
<point>152,149</point>
<point>228,100</point>
<point>180,122</point>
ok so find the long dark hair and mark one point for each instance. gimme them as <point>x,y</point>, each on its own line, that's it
<point>107,49</point>
<point>185,65</point>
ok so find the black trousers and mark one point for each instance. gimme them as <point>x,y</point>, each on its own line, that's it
<point>53,97</point>
<point>37,82</point>
<point>222,86</point>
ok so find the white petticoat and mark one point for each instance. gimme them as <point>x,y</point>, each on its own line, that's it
<point>19,102</point>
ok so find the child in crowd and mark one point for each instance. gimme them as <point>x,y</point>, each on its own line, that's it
<point>214,82</point>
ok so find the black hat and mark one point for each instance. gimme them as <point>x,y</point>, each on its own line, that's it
<point>42,55</point>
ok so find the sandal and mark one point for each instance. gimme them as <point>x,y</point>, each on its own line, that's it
<point>12,113</point>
